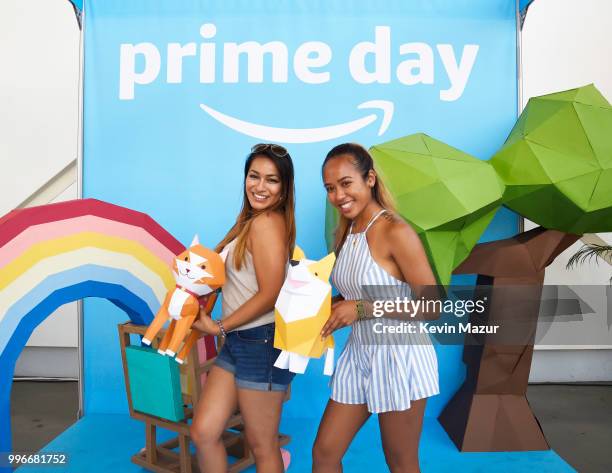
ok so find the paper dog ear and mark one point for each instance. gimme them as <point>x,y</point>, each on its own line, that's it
<point>298,254</point>
<point>323,268</point>
<point>196,240</point>
<point>224,253</point>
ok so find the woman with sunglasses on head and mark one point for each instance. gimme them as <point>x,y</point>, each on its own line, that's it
<point>377,251</point>
<point>243,376</point>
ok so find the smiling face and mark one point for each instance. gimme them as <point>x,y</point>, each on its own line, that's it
<point>263,185</point>
<point>346,188</point>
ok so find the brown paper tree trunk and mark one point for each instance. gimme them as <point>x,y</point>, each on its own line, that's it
<point>490,411</point>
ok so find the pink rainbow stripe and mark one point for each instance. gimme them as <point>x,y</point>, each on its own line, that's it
<point>61,228</point>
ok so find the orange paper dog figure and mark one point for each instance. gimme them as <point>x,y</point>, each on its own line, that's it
<point>198,272</point>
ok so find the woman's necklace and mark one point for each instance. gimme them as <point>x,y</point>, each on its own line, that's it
<point>355,238</point>
<point>372,218</point>
<point>355,234</point>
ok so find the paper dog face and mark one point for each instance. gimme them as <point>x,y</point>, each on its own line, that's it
<point>199,269</point>
<point>305,288</point>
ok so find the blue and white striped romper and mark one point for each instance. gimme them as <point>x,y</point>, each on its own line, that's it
<point>385,376</point>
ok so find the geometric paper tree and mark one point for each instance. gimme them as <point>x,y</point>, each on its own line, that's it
<point>490,411</point>
<point>557,162</point>
<point>557,168</point>
<point>448,196</point>
<point>331,222</point>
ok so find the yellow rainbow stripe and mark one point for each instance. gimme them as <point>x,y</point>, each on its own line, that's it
<point>48,249</point>
<point>23,284</point>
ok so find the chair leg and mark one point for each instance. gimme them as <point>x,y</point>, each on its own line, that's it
<point>247,448</point>
<point>151,442</point>
<point>184,454</point>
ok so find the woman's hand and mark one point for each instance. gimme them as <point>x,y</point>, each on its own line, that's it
<point>343,313</point>
<point>205,324</point>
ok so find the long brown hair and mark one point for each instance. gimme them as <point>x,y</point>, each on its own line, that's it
<point>285,205</point>
<point>362,160</point>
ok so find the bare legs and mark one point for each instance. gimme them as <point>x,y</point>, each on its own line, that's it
<point>261,411</point>
<point>219,400</point>
<point>400,433</point>
<point>338,426</point>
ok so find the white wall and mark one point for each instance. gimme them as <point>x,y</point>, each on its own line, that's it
<point>39,73</point>
<point>39,47</point>
<point>567,44</point>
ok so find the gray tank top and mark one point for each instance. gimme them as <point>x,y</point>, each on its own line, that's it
<point>239,287</point>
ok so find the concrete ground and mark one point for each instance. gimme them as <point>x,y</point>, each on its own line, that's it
<point>40,411</point>
<point>577,419</point>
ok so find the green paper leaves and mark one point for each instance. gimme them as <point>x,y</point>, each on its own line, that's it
<point>557,162</point>
<point>448,196</point>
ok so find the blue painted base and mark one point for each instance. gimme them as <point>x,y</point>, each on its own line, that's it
<point>106,443</point>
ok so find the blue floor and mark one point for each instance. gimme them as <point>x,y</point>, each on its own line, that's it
<point>99,443</point>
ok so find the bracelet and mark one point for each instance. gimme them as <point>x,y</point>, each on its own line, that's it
<point>221,328</point>
<point>360,310</point>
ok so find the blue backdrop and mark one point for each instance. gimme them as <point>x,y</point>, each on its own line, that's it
<point>176,92</point>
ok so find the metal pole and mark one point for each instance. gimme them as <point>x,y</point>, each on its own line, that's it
<point>80,350</point>
<point>519,82</point>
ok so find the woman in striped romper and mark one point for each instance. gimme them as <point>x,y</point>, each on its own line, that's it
<point>379,256</point>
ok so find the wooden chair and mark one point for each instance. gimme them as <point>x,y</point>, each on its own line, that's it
<point>161,457</point>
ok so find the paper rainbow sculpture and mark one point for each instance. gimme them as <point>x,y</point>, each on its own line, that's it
<point>59,253</point>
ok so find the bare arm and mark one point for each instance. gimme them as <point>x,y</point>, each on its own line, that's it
<point>268,241</point>
<point>408,253</point>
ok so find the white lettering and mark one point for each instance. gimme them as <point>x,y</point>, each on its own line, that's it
<point>377,307</point>
<point>303,62</point>
<point>255,59</point>
<point>465,328</point>
<point>423,64</point>
<point>207,54</point>
<point>388,306</point>
<point>471,328</point>
<point>369,63</point>
<point>403,327</point>
<point>458,74</point>
<point>127,67</point>
<point>176,53</point>
<point>381,49</point>
<point>437,329</point>
<point>416,305</point>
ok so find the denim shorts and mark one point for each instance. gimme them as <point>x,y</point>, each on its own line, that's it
<point>250,355</point>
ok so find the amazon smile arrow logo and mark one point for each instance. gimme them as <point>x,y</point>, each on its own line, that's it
<point>306,135</point>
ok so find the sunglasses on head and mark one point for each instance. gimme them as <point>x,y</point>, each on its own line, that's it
<point>276,150</point>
